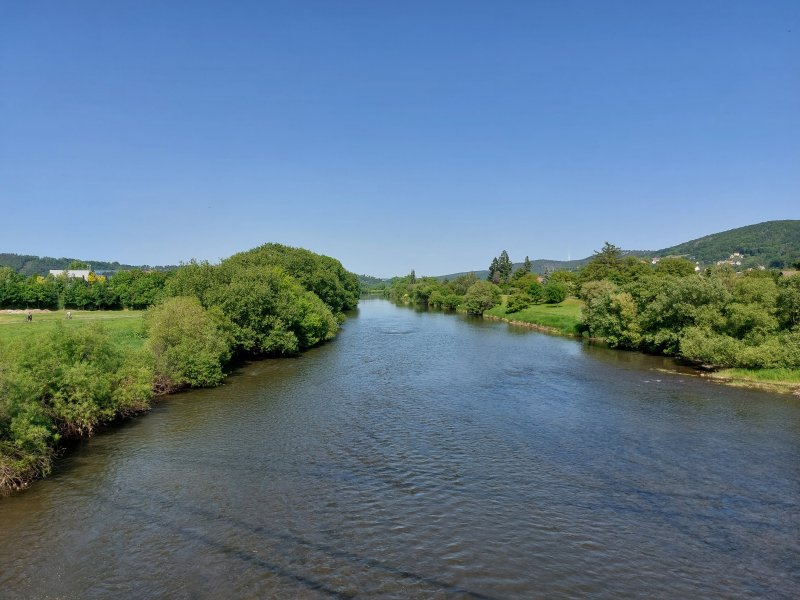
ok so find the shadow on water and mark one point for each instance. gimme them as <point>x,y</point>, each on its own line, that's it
<point>259,530</point>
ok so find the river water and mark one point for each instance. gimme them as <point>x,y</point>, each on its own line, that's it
<point>424,455</point>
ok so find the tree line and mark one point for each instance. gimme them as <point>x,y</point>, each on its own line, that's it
<point>133,289</point>
<point>270,301</point>
<point>717,317</point>
<point>469,294</point>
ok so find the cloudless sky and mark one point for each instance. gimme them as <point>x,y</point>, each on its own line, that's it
<point>393,135</point>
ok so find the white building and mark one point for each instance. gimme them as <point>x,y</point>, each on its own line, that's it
<point>71,273</point>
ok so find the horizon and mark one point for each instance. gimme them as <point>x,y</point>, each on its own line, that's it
<point>451,273</point>
<point>393,136</point>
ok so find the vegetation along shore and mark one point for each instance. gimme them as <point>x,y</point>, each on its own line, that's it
<point>62,378</point>
<point>735,327</point>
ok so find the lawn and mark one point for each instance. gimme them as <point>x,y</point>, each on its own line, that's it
<point>125,326</point>
<point>563,317</point>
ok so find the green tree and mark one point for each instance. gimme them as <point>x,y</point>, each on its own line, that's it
<point>567,278</point>
<point>138,289</point>
<point>481,296</point>
<point>190,344</point>
<point>674,267</point>
<point>788,302</point>
<point>504,267</point>
<point>11,289</point>
<point>518,301</point>
<point>494,271</point>
<point>555,292</point>
<point>611,315</point>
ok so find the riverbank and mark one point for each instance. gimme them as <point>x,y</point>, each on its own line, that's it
<point>562,318</point>
<point>783,381</point>
<point>565,318</point>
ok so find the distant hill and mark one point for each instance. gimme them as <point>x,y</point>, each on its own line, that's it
<point>772,244</point>
<point>370,281</point>
<point>542,265</point>
<point>41,265</point>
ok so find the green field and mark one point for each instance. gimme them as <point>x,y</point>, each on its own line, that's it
<point>563,317</point>
<point>125,326</point>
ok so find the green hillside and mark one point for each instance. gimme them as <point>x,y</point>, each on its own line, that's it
<point>40,265</point>
<point>542,265</point>
<point>774,244</point>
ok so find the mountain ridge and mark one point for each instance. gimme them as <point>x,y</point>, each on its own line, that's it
<point>771,244</point>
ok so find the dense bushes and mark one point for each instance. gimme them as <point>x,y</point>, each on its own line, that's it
<point>63,383</point>
<point>190,345</point>
<point>278,300</point>
<point>134,289</point>
<point>718,318</point>
<point>274,300</point>
<point>428,291</point>
<point>468,294</point>
<point>481,296</point>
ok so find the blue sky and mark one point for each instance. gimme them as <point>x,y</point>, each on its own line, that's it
<point>393,135</point>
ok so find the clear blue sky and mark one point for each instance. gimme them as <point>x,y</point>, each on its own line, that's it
<point>393,135</point>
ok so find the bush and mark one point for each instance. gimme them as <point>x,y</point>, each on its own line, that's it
<point>555,292</point>
<point>190,344</point>
<point>481,296</point>
<point>517,302</point>
<point>64,382</point>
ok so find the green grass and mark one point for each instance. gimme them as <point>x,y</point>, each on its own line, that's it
<point>563,317</point>
<point>125,326</point>
<point>781,377</point>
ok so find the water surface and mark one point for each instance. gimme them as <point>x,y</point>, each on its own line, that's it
<point>425,455</point>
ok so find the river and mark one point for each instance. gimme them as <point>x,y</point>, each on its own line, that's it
<point>426,455</point>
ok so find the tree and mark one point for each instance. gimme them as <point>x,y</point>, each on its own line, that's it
<point>675,267</point>
<point>190,345</point>
<point>555,292</point>
<point>481,296</point>
<point>527,266</point>
<point>567,278</point>
<point>789,302</point>
<point>139,289</point>
<point>77,265</point>
<point>611,315</point>
<point>517,302</point>
<point>605,264</point>
<point>494,271</point>
<point>11,288</point>
<point>504,267</point>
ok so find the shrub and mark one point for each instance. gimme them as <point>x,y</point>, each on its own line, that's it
<point>481,296</point>
<point>555,292</point>
<point>189,343</point>
<point>517,302</point>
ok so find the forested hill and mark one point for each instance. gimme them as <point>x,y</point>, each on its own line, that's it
<point>25,264</point>
<point>543,265</point>
<point>771,244</point>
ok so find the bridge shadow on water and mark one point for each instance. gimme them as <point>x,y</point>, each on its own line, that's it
<point>285,573</point>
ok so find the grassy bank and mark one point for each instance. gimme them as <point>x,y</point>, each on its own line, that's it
<point>778,380</point>
<point>561,318</point>
<point>124,326</point>
<point>564,319</point>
